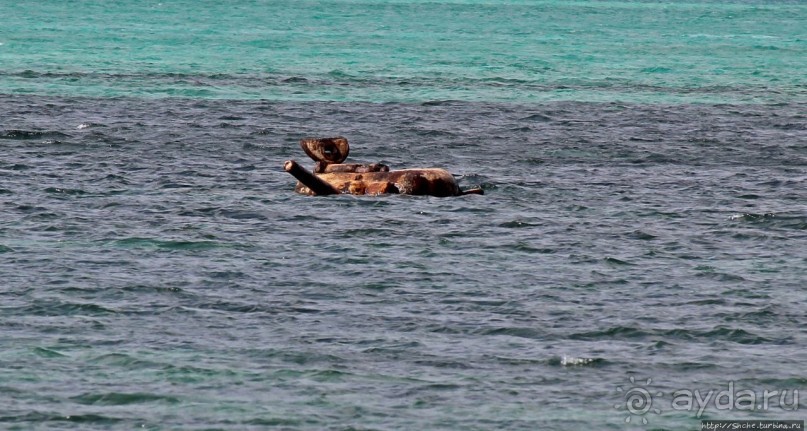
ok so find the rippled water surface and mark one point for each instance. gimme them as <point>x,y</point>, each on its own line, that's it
<point>708,51</point>
<point>159,270</point>
<point>643,231</point>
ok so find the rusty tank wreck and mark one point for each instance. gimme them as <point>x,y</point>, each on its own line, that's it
<point>331,176</point>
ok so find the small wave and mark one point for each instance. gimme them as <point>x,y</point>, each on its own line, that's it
<point>615,261</point>
<point>519,361</point>
<point>39,417</point>
<point>122,399</point>
<point>175,185</point>
<point>260,132</point>
<point>791,126</point>
<point>790,382</point>
<point>17,134</point>
<point>66,309</point>
<point>28,73</point>
<point>720,276</point>
<point>65,191</point>
<point>618,332</point>
<point>444,364</point>
<point>83,126</point>
<point>722,333</point>
<point>440,102</point>
<point>657,69</point>
<point>739,336</point>
<point>136,242</point>
<point>123,360</point>
<point>766,315</point>
<point>369,232</point>
<point>537,117</point>
<point>517,224</point>
<point>640,235</point>
<point>337,73</point>
<point>574,361</point>
<point>752,217</point>
<point>48,353</point>
<point>302,357</point>
<point>527,248</point>
<point>231,307</point>
<point>521,332</point>
<point>691,366</point>
<point>88,418</point>
<point>275,422</point>
<point>787,221</point>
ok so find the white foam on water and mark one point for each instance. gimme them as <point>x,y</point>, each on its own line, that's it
<point>573,361</point>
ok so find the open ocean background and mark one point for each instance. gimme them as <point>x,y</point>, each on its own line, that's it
<point>644,225</point>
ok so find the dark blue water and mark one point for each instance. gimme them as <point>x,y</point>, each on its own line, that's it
<point>642,240</point>
<point>158,271</point>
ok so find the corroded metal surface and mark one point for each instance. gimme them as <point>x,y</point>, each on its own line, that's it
<point>332,177</point>
<point>329,150</point>
<point>434,182</point>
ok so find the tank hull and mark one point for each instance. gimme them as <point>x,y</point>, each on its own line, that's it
<point>432,182</point>
<point>330,176</point>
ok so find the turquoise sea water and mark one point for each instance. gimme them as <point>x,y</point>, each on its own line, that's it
<point>379,51</point>
<point>643,231</point>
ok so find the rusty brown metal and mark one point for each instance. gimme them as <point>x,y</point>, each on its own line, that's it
<point>330,176</point>
<point>313,183</point>
<point>434,182</point>
<point>329,150</point>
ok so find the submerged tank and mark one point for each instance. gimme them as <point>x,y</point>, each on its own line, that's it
<point>331,176</point>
